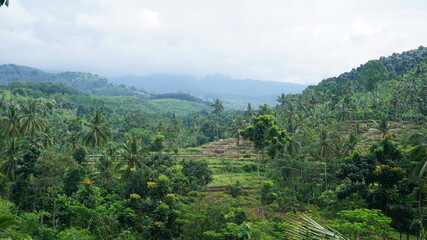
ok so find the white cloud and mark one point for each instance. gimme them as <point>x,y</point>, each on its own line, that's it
<point>299,41</point>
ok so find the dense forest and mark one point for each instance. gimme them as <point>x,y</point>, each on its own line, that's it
<point>83,158</point>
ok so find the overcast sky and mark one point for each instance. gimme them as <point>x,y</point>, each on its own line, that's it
<point>280,40</point>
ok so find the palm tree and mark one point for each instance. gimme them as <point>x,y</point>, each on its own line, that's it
<point>99,131</point>
<point>10,123</point>
<point>249,113</point>
<point>108,169</point>
<point>307,228</point>
<point>132,153</point>
<point>47,139</point>
<point>350,144</point>
<point>326,150</point>
<point>74,139</point>
<point>12,151</point>
<point>195,125</point>
<point>419,154</point>
<point>293,146</point>
<point>383,126</point>
<point>6,222</point>
<point>282,99</point>
<point>218,108</point>
<point>31,122</point>
<point>238,124</point>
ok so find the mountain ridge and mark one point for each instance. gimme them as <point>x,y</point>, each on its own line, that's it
<point>213,86</point>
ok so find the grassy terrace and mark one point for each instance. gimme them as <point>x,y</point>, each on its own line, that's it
<point>228,164</point>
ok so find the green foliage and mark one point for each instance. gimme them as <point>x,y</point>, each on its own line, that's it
<point>363,224</point>
<point>307,228</point>
<point>264,133</point>
<point>197,173</point>
<point>79,155</point>
<point>72,180</point>
<point>99,131</point>
<point>358,168</point>
<point>74,234</point>
<point>267,194</point>
<point>235,190</point>
<point>372,73</point>
<point>249,167</point>
<point>44,125</point>
<point>6,222</point>
<point>157,143</point>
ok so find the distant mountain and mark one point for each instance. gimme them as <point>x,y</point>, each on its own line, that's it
<point>234,93</point>
<point>214,86</point>
<point>84,82</point>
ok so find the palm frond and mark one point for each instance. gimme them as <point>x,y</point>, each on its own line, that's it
<point>307,228</point>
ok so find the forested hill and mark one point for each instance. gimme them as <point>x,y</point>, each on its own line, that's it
<point>84,82</point>
<point>368,77</point>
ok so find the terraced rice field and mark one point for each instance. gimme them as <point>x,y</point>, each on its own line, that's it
<point>228,163</point>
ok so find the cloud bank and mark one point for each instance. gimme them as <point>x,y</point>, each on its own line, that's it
<point>293,41</point>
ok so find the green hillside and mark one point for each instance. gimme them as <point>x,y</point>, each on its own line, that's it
<point>345,159</point>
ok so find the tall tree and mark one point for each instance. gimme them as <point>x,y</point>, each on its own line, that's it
<point>31,121</point>
<point>12,151</point>
<point>326,150</point>
<point>132,153</point>
<point>238,124</point>
<point>10,122</point>
<point>350,143</point>
<point>265,135</point>
<point>282,99</point>
<point>249,113</point>
<point>99,132</point>
<point>218,108</point>
<point>383,126</point>
<point>419,154</point>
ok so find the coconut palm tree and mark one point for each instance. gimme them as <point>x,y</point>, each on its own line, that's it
<point>350,144</point>
<point>307,228</point>
<point>218,108</point>
<point>99,131</point>
<point>12,151</point>
<point>383,126</point>
<point>419,154</point>
<point>31,121</point>
<point>6,222</point>
<point>132,153</point>
<point>108,170</point>
<point>326,150</point>
<point>47,138</point>
<point>293,146</point>
<point>282,99</point>
<point>10,122</point>
<point>238,124</point>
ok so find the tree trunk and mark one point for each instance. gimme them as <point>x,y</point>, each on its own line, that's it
<point>326,176</point>
<point>421,211</point>
<point>238,146</point>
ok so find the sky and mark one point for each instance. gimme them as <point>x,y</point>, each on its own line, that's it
<point>299,41</point>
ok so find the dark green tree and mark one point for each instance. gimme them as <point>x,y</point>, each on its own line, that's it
<point>372,73</point>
